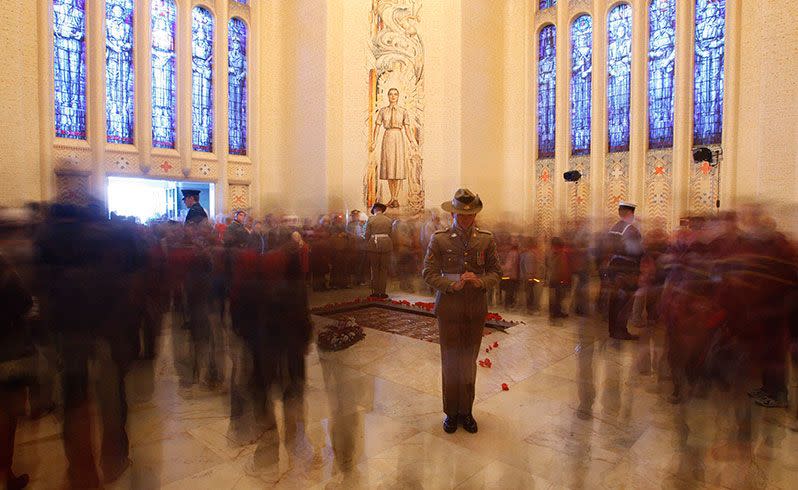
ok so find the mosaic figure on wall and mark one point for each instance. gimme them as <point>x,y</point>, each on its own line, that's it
<point>202,80</point>
<point>619,76</point>
<point>396,122</point>
<point>396,103</point>
<point>164,74</point>
<point>119,73</point>
<point>710,36</point>
<point>69,58</point>
<point>581,83</point>
<point>237,88</point>
<point>661,63</point>
<point>544,4</point>
<point>547,93</point>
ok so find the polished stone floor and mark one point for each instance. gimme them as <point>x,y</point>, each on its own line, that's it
<point>578,414</point>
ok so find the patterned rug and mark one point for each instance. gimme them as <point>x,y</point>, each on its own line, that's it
<point>405,323</point>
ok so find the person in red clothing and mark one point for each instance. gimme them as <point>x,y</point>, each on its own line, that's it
<point>558,271</point>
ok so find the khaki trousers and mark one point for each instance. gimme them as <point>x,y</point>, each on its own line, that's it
<point>461,319</point>
<point>380,264</point>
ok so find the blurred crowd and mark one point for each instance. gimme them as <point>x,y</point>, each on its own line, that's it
<point>715,302</point>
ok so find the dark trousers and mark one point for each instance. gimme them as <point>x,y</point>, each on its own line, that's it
<point>510,287</point>
<point>581,301</point>
<point>532,293</point>
<point>76,353</point>
<point>12,404</point>
<point>620,307</point>
<point>556,297</point>
<point>461,319</point>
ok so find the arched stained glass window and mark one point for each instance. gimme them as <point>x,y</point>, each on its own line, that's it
<point>69,68</point>
<point>581,83</point>
<point>661,62</point>
<point>164,74</point>
<point>710,35</point>
<point>237,89</point>
<point>544,4</point>
<point>619,76</point>
<point>119,72</point>
<point>547,93</point>
<point>202,79</point>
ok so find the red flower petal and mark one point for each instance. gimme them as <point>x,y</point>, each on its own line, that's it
<point>495,344</point>
<point>505,387</point>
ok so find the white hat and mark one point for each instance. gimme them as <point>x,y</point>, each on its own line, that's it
<point>625,204</point>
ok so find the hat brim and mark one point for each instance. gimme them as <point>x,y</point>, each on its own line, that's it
<point>447,206</point>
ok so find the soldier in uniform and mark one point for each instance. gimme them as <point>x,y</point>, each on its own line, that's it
<point>195,212</point>
<point>379,231</point>
<point>625,253</point>
<point>461,265</point>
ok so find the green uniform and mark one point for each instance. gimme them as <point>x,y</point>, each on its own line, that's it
<point>461,314</point>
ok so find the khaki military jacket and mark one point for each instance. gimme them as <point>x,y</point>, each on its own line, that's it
<point>450,254</point>
<point>379,233</point>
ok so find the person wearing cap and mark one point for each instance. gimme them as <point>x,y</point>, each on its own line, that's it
<point>461,264</point>
<point>379,239</point>
<point>625,252</point>
<point>196,214</point>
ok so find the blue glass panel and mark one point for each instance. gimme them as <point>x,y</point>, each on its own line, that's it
<point>619,76</point>
<point>581,83</point>
<point>119,73</point>
<point>202,79</point>
<point>69,68</point>
<point>661,62</point>
<point>544,4</point>
<point>164,74</point>
<point>237,89</point>
<point>710,34</point>
<point>547,93</point>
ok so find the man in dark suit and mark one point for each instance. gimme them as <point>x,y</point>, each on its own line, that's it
<point>196,214</point>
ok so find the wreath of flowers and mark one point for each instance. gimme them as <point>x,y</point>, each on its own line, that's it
<point>345,333</point>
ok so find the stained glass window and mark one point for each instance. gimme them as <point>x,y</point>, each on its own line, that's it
<point>119,73</point>
<point>69,68</point>
<point>581,83</point>
<point>710,32</point>
<point>237,89</point>
<point>202,79</point>
<point>547,94</point>
<point>661,62</point>
<point>544,4</point>
<point>619,76</point>
<point>164,74</point>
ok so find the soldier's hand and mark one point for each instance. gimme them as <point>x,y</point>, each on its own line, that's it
<point>458,285</point>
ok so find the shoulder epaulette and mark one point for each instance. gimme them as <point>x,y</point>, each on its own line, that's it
<point>445,230</point>
<point>484,231</point>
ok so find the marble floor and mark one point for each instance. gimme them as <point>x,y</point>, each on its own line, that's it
<point>578,414</point>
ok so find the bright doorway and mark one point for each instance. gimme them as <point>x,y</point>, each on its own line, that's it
<point>147,199</point>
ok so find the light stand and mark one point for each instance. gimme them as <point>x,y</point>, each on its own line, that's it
<point>713,158</point>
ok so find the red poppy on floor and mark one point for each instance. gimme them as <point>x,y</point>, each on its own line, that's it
<point>495,344</point>
<point>505,387</point>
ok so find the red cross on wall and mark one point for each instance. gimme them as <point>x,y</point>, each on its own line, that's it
<point>165,166</point>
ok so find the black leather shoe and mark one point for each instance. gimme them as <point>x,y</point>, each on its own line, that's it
<point>469,424</point>
<point>450,424</point>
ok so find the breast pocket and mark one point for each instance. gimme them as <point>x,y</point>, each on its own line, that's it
<point>452,262</point>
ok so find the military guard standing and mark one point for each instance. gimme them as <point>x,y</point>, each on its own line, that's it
<point>196,214</point>
<point>461,265</point>
<point>625,251</point>
<point>379,230</point>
